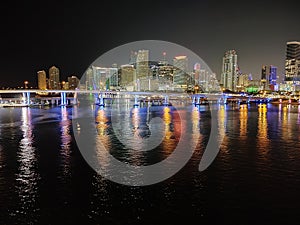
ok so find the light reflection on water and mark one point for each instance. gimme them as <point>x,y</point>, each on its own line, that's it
<point>66,139</point>
<point>27,176</point>
<point>259,156</point>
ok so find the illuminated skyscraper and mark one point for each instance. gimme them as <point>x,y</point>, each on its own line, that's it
<point>292,63</point>
<point>197,68</point>
<point>42,80</point>
<point>229,74</point>
<point>54,82</point>
<point>180,71</point>
<point>133,57</point>
<point>127,77</point>
<point>268,76</point>
<point>142,64</point>
<point>104,78</point>
<point>73,82</point>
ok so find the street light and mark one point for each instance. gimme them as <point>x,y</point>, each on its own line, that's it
<point>26,84</point>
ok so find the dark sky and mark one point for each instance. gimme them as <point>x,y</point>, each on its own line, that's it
<point>38,34</point>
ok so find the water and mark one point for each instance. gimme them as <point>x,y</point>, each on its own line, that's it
<point>255,178</point>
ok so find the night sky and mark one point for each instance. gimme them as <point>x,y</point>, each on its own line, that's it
<point>38,34</point>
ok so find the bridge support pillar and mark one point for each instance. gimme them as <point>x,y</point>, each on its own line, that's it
<point>166,101</point>
<point>26,97</point>
<point>136,103</point>
<point>101,100</point>
<point>63,98</point>
<point>193,100</point>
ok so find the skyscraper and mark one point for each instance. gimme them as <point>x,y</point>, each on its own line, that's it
<point>292,63</point>
<point>142,64</point>
<point>54,82</point>
<point>42,80</point>
<point>230,70</point>
<point>73,82</point>
<point>180,71</point>
<point>105,78</point>
<point>268,77</point>
<point>197,68</point>
<point>127,77</point>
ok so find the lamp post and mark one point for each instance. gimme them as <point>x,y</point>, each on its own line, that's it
<point>26,84</point>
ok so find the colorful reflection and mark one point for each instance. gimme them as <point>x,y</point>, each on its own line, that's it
<point>286,126</point>
<point>27,176</point>
<point>65,140</point>
<point>243,121</point>
<point>101,122</point>
<point>167,118</point>
<point>222,121</point>
<point>262,130</point>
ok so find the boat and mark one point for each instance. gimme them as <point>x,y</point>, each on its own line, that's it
<point>11,104</point>
<point>39,104</point>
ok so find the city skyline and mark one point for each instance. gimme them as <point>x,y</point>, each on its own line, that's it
<point>76,34</point>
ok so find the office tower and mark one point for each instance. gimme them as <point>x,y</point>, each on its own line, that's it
<point>73,82</point>
<point>273,75</point>
<point>230,70</point>
<point>127,77</point>
<point>89,80</point>
<point>292,63</point>
<point>133,57</point>
<point>54,82</point>
<point>268,77</point>
<point>243,82</point>
<point>197,68</point>
<point>142,64</point>
<point>42,80</point>
<point>105,78</point>
<point>180,71</point>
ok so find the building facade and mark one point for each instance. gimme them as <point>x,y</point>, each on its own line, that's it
<point>42,80</point>
<point>230,71</point>
<point>180,72</point>
<point>268,77</point>
<point>292,63</point>
<point>142,64</point>
<point>54,82</point>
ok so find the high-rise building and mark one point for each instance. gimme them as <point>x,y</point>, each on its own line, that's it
<point>197,68</point>
<point>142,64</point>
<point>268,77</point>
<point>73,82</point>
<point>243,82</point>
<point>229,76</point>
<point>42,80</point>
<point>127,77</point>
<point>180,71</point>
<point>292,63</point>
<point>54,82</point>
<point>105,78</point>
<point>89,79</point>
<point>133,57</point>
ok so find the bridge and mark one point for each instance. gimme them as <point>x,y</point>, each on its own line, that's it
<point>101,95</point>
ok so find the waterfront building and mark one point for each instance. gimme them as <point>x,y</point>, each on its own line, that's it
<point>196,73</point>
<point>89,80</point>
<point>127,78</point>
<point>243,82</point>
<point>292,64</point>
<point>42,80</point>
<point>104,78</point>
<point>53,81</point>
<point>229,76</point>
<point>180,72</point>
<point>65,85</point>
<point>73,82</point>
<point>133,57</point>
<point>142,64</point>
<point>268,77</point>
